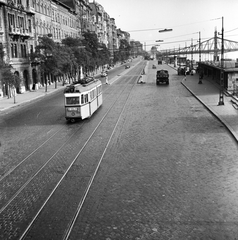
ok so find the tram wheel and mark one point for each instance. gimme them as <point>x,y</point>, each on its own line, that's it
<point>72,120</point>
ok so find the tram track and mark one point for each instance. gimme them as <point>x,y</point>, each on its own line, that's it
<point>86,177</point>
<point>50,171</point>
<point>12,181</point>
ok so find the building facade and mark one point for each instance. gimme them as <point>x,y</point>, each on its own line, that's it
<point>22,22</point>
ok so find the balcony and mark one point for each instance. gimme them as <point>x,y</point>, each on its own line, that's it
<point>12,30</point>
<point>30,9</point>
<point>20,31</point>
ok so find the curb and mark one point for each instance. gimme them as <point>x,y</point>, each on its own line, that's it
<point>228,127</point>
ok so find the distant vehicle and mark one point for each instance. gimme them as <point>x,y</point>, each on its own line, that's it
<point>193,71</point>
<point>162,76</point>
<point>103,74</point>
<point>160,60</point>
<point>181,70</point>
<point>127,66</point>
<point>153,66</point>
<point>181,61</point>
<point>82,98</point>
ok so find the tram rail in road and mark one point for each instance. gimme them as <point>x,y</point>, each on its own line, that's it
<point>37,193</point>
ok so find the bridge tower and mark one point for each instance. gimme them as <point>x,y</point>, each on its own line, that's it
<point>215,57</point>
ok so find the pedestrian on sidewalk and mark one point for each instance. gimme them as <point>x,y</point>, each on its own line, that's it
<point>106,78</point>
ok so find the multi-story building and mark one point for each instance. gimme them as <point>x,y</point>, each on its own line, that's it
<point>22,22</point>
<point>115,42</point>
<point>100,27</point>
<point>83,10</point>
<point>123,35</point>
<point>17,38</point>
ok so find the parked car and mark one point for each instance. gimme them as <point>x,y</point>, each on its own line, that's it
<point>162,76</point>
<point>127,66</point>
<point>153,66</point>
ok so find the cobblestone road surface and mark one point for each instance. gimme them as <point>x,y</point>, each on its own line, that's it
<point>170,172</point>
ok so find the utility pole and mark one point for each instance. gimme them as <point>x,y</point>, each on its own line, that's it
<point>221,95</point>
<point>199,46</point>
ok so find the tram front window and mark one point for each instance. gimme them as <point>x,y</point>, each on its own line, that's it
<point>72,100</point>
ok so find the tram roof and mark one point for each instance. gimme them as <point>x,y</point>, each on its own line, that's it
<point>84,85</point>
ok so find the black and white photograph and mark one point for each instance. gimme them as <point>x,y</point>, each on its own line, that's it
<point>118,120</point>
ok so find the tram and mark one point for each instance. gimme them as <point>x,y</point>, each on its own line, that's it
<point>82,98</point>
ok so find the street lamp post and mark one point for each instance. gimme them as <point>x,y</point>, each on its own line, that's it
<point>221,94</point>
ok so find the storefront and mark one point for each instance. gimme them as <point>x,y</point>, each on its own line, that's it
<point>213,70</point>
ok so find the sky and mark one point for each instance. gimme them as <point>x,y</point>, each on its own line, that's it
<point>144,18</point>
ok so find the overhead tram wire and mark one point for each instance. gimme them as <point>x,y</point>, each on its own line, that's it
<point>188,35</point>
<point>154,29</point>
<point>184,40</point>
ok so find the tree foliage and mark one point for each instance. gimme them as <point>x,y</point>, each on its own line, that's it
<point>73,53</point>
<point>124,49</point>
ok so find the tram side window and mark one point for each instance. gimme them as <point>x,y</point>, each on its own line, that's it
<point>92,94</point>
<point>72,100</point>
<point>99,89</point>
<point>82,99</point>
<point>86,98</point>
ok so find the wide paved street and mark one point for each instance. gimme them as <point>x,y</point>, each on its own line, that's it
<point>168,167</point>
<point>169,173</point>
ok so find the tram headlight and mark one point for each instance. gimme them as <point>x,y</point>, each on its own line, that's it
<point>72,109</point>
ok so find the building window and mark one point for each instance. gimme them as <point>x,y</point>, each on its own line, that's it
<point>20,22</point>
<point>14,50</point>
<point>22,51</point>
<point>29,25</point>
<point>11,20</point>
<point>38,6</point>
<point>31,49</point>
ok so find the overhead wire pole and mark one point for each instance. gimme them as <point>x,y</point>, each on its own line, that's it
<point>221,95</point>
<point>200,70</point>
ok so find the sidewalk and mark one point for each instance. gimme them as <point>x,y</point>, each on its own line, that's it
<point>6,103</point>
<point>208,94</point>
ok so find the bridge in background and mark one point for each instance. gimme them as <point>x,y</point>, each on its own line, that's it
<point>211,46</point>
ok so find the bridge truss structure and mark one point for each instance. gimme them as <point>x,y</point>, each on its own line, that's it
<point>211,46</point>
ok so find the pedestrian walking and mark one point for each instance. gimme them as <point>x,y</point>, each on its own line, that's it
<point>106,78</point>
